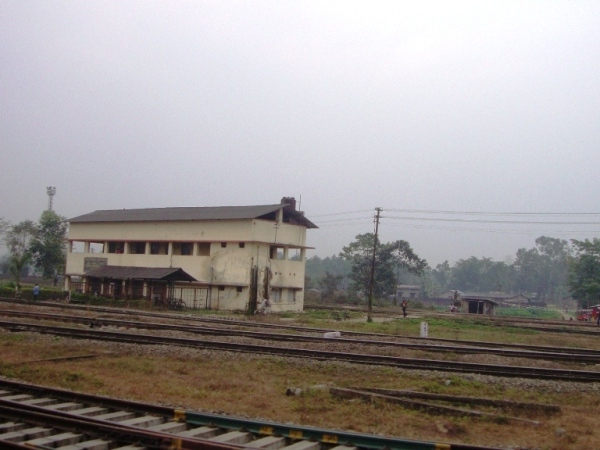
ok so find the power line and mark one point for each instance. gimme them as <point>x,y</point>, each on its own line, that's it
<point>343,213</point>
<point>338,221</point>
<point>531,222</point>
<point>491,213</point>
<point>490,230</point>
<point>351,219</point>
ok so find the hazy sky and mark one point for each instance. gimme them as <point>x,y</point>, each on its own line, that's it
<point>478,106</point>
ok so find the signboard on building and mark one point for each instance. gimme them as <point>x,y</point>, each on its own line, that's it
<point>90,263</point>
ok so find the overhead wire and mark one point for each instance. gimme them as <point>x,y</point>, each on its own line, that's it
<point>490,213</point>
<point>342,213</point>
<point>534,222</point>
<point>338,221</point>
<point>489,230</point>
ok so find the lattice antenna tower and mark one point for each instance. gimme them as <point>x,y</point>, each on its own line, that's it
<point>51,190</point>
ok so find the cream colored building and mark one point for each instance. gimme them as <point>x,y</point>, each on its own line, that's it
<point>225,258</point>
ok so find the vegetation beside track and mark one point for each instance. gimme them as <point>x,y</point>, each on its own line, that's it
<point>529,313</point>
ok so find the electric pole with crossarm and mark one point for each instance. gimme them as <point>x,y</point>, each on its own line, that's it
<point>372,277</point>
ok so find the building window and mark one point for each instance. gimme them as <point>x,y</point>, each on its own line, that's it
<point>295,254</point>
<point>276,294</point>
<point>204,249</point>
<point>77,246</point>
<point>221,288</point>
<point>292,295</point>
<point>96,247</point>
<point>277,252</point>
<point>183,248</point>
<point>242,244</point>
<point>116,247</point>
<point>159,248</point>
<point>223,244</point>
<point>137,248</point>
<point>238,289</point>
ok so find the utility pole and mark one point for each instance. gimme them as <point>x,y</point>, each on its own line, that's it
<point>372,278</point>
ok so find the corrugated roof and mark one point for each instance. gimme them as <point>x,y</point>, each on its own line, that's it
<point>192,214</point>
<point>140,273</point>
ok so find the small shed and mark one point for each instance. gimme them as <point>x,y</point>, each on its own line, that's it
<point>408,291</point>
<point>479,304</point>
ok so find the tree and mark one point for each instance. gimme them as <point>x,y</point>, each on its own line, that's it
<point>4,260</point>
<point>48,245</point>
<point>390,260</point>
<point>316,268</point>
<point>359,254</point>
<point>442,276</point>
<point>555,265</point>
<point>584,272</point>
<point>527,268</point>
<point>18,239</point>
<point>4,264</point>
<point>4,226</point>
<point>543,270</point>
<point>329,283</point>
<point>18,264</point>
<point>481,275</point>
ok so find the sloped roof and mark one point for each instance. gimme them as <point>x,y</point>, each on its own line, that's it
<point>478,298</point>
<point>140,273</point>
<point>180,214</point>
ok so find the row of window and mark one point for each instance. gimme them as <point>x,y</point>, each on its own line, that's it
<point>139,247</point>
<point>178,248</point>
<point>279,295</point>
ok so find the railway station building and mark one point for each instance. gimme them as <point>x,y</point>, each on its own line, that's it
<point>226,258</point>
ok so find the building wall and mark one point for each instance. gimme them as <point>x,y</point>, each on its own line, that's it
<point>235,247</point>
<point>408,291</point>
<point>250,230</point>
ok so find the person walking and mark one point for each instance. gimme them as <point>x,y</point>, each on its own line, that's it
<point>403,305</point>
<point>36,292</point>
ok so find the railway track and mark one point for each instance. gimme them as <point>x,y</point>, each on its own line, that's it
<point>356,358</point>
<point>571,327</point>
<point>573,355</point>
<point>33,416</point>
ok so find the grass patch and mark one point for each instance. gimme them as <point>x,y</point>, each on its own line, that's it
<point>529,313</point>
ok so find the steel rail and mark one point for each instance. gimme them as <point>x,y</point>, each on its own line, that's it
<point>329,438</point>
<point>113,431</point>
<point>547,353</point>
<point>406,363</point>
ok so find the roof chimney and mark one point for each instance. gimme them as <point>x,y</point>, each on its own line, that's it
<point>290,202</point>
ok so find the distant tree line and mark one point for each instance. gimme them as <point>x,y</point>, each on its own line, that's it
<point>549,272</point>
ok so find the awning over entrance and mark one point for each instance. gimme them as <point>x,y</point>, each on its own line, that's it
<point>140,273</point>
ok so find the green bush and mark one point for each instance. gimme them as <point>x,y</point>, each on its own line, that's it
<point>7,291</point>
<point>26,293</point>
